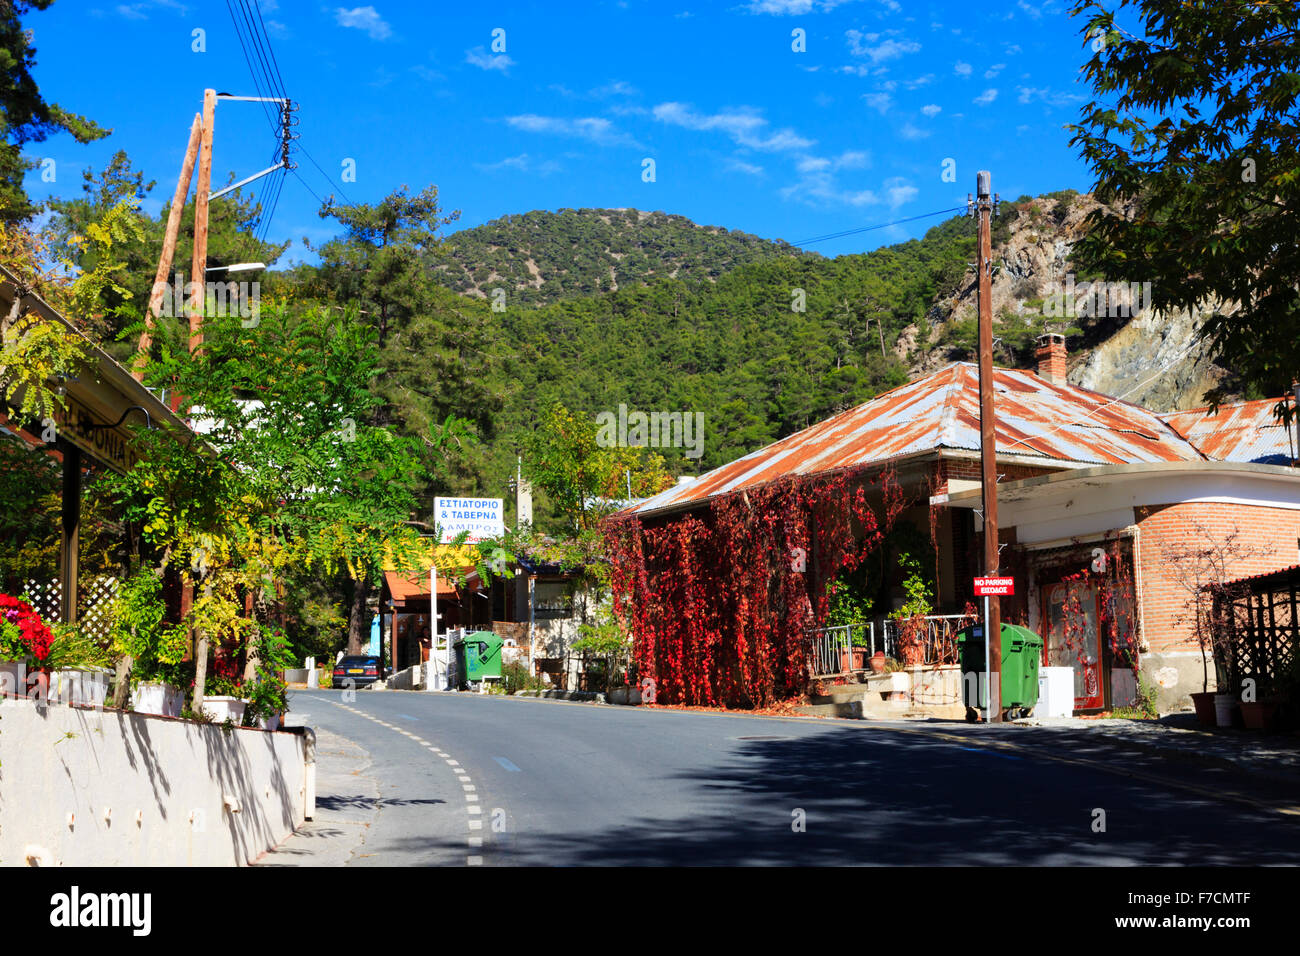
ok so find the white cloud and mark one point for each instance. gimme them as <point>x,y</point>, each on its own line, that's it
<point>932,109</point>
<point>488,61</point>
<point>817,185</point>
<point>994,70</point>
<point>961,69</point>
<point>364,18</point>
<point>985,98</point>
<point>140,11</point>
<point>1013,49</point>
<point>919,82</point>
<point>913,132</point>
<point>592,128</point>
<point>788,8</point>
<point>878,47</point>
<point>1044,94</point>
<point>616,88</point>
<point>522,163</point>
<point>744,126</point>
<point>879,102</point>
<point>427,73</point>
<point>739,166</point>
<point>1030,9</point>
<point>899,191</point>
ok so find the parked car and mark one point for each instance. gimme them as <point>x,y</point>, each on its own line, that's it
<point>360,669</point>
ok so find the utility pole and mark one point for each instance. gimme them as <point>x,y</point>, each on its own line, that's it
<point>984,203</point>
<point>169,246</point>
<point>199,266</point>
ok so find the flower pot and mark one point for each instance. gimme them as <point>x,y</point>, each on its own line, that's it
<point>1204,704</point>
<point>13,678</point>
<point>913,655</point>
<point>1224,705</point>
<point>224,708</point>
<point>156,697</point>
<point>81,686</point>
<point>853,659</point>
<point>878,662</point>
<point>270,723</point>
<point>1258,714</point>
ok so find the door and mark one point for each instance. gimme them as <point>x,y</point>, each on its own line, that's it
<point>1074,640</point>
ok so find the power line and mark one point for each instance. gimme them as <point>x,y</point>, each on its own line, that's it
<point>257,40</point>
<point>883,225</point>
<point>327,176</point>
<point>257,84</point>
<point>274,63</point>
<point>307,187</point>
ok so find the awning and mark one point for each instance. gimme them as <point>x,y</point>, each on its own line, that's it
<point>415,587</point>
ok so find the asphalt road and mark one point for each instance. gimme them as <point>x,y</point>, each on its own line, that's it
<point>468,779</point>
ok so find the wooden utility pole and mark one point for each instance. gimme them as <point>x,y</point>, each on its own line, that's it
<point>199,264</point>
<point>988,441</point>
<point>169,246</point>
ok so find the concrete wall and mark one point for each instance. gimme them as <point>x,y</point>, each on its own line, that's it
<point>62,769</point>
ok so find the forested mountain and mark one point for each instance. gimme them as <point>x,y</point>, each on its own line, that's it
<point>542,257</point>
<point>771,347</point>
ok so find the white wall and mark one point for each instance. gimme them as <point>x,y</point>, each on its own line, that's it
<point>57,760</point>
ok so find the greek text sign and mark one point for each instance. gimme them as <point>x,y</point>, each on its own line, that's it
<point>481,517</point>
<point>993,587</point>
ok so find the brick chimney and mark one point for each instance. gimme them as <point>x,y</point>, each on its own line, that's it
<point>1051,357</point>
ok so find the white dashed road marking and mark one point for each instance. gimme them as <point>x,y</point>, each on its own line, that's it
<point>471,797</point>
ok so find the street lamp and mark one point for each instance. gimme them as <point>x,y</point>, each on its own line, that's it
<point>238,267</point>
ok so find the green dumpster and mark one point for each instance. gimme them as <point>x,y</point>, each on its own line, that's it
<point>1022,652</point>
<point>478,656</point>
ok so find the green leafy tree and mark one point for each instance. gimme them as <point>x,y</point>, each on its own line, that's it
<point>1193,135</point>
<point>584,479</point>
<point>25,116</point>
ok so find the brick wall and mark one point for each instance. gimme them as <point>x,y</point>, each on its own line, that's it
<point>969,469</point>
<point>1261,528</point>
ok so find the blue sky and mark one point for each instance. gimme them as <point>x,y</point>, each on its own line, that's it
<point>744,131</point>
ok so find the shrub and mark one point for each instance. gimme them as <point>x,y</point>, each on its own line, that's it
<point>515,676</point>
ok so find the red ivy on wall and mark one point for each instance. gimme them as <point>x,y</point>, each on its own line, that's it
<point>720,602</point>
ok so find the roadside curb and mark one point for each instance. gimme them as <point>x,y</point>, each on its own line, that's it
<point>585,696</point>
<point>336,832</point>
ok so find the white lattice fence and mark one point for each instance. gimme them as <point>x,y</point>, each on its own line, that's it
<point>45,597</point>
<point>95,607</point>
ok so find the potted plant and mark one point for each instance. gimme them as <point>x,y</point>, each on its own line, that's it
<point>223,699</point>
<point>910,618</point>
<point>878,662</point>
<point>25,644</point>
<point>849,608</point>
<point>1259,714</point>
<point>14,644</point>
<point>78,667</point>
<point>151,649</point>
<point>156,687</point>
<point>268,695</point>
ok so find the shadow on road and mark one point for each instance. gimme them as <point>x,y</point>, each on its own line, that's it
<point>893,798</point>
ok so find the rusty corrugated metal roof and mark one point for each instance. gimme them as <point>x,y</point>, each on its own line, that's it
<point>1245,431</point>
<point>1036,419</point>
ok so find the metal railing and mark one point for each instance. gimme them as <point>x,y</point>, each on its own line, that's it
<point>832,647</point>
<point>940,638</point>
